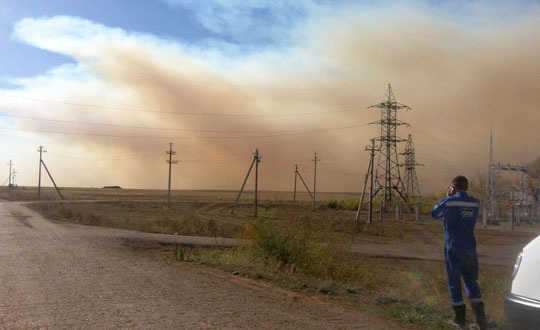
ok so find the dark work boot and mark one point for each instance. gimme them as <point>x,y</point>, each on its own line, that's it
<point>459,318</point>
<point>480,315</point>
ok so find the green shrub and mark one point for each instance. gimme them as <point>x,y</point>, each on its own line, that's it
<point>350,204</point>
<point>332,204</point>
<point>295,244</point>
<point>288,245</point>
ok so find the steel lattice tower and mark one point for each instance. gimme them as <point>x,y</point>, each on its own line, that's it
<point>388,177</point>
<point>412,189</point>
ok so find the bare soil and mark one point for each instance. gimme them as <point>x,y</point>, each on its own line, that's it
<point>62,276</point>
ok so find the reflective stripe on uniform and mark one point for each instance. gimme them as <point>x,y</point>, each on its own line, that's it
<point>464,204</point>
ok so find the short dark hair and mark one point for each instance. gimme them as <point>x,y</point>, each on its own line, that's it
<point>461,183</point>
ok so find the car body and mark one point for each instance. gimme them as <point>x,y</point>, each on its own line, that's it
<point>522,304</point>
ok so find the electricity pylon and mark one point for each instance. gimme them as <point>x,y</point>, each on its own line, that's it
<point>412,189</point>
<point>387,176</point>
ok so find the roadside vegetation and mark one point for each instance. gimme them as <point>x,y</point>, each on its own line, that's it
<point>301,257</point>
<point>150,217</point>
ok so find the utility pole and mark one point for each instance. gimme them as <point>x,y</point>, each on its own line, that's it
<point>54,183</point>
<point>388,176</point>
<point>13,175</point>
<point>255,161</point>
<point>298,175</point>
<point>371,192</point>
<point>361,203</point>
<point>41,150</point>
<point>295,178</point>
<point>170,161</point>
<point>369,175</point>
<point>10,176</point>
<point>489,205</point>
<point>315,160</point>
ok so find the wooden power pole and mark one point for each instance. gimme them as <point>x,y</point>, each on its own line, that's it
<point>255,161</point>
<point>10,176</point>
<point>315,160</point>
<point>170,152</point>
<point>41,150</point>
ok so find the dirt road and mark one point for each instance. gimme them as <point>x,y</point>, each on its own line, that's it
<point>62,276</point>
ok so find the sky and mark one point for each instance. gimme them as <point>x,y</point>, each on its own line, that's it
<point>105,86</point>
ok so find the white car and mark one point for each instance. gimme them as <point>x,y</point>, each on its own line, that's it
<point>522,304</point>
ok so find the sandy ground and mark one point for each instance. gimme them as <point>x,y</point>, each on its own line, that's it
<point>60,276</point>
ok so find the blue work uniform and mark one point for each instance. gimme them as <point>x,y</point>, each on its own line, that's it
<point>460,213</point>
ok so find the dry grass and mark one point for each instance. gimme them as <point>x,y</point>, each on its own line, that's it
<point>71,193</point>
<point>300,258</point>
<point>151,217</point>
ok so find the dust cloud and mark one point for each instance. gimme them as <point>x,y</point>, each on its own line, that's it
<point>457,77</point>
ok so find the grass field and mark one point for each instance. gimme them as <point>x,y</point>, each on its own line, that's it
<point>296,248</point>
<point>49,193</point>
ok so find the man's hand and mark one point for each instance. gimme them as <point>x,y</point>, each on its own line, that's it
<point>450,191</point>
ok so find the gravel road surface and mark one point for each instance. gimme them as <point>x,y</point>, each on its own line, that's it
<point>62,276</point>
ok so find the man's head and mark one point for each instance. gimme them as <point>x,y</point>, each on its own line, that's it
<point>460,183</point>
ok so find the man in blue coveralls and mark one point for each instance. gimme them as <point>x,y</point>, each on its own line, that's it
<point>460,212</point>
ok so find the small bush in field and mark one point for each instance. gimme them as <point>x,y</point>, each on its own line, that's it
<point>295,244</point>
<point>289,245</point>
<point>332,203</point>
<point>350,204</point>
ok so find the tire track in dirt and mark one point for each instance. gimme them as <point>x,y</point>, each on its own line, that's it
<point>210,212</point>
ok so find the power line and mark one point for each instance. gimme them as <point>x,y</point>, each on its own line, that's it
<point>99,153</point>
<point>340,173</point>
<point>442,153</point>
<point>146,156</point>
<point>153,128</point>
<point>182,137</point>
<point>469,139</point>
<point>445,144</point>
<point>127,109</point>
<point>96,159</point>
